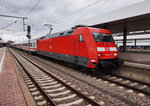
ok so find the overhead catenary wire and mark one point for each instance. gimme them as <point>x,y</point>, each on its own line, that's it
<point>33,7</point>
<point>77,11</point>
<point>6,20</point>
<point>28,4</point>
<point>12,10</point>
<point>8,25</point>
<point>70,3</point>
<point>13,16</point>
<point>2,5</point>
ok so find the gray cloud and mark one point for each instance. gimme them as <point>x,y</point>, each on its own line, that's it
<point>56,12</point>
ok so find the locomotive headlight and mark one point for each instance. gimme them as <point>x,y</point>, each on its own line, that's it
<point>115,54</point>
<point>100,54</point>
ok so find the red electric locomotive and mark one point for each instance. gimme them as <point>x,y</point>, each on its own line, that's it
<point>85,46</point>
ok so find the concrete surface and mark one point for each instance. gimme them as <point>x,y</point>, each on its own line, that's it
<point>143,58</point>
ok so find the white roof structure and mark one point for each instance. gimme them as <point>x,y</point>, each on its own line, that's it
<point>134,17</point>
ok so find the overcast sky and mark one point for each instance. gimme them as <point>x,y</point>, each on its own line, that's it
<point>56,12</point>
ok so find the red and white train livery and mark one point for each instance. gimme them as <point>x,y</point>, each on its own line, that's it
<point>85,46</point>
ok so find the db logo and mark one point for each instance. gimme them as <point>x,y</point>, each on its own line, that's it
<point>107,54</point>
<point>107,48</point>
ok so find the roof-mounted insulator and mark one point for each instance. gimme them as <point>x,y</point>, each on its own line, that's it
<point>76,26</point>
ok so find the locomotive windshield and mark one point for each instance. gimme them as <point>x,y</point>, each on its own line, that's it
<point>102,37</point>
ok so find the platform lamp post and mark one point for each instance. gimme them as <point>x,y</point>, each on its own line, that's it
<point>28,36</point>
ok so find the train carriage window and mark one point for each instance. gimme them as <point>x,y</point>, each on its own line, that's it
<point>81,39</point>
<point>33,45</point>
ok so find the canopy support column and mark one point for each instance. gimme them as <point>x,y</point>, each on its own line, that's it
<point>124,39</point>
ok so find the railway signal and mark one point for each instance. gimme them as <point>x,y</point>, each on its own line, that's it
<point>28,32</point>
<point>29,36</point>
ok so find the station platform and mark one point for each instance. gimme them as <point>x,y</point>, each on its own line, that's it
<point>11,93</point>
<point>136,66</point>
<point>135,57</point>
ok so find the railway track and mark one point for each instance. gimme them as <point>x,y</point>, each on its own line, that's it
<point>104,79</point>
<point>47,88</point>
<point>138,86</point>
<point>141,87</point>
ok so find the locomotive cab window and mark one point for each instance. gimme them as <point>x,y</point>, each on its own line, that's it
<point>81,38</point>
<point>102,37</point>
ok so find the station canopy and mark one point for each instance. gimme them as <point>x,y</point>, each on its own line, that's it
<point>135,17</point>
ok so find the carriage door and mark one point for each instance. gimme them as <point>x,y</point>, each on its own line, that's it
<point>82,51</point>
<point>81,45</point>
<point>79,48</point>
